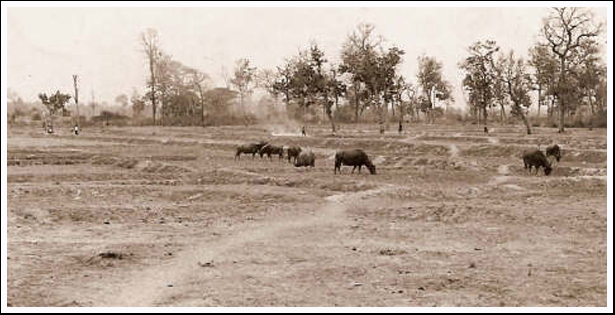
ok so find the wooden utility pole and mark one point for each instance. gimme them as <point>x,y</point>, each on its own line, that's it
<point>75,78</point>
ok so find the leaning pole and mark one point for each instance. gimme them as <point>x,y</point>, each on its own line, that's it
<point>75,77</point>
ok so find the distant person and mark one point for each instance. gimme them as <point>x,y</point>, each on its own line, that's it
<point>303,131</point>
<point>401,127</point>
<point>486,130</point>
<point>381,129</point>
<point>76,130</point>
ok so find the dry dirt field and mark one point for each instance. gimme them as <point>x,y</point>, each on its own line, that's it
<point>166,217</point>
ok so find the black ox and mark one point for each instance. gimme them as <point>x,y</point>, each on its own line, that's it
<point>355,158</point>
<point>537,159</point>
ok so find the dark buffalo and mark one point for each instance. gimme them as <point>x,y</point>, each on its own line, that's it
<point>305,159</point>
<point>554,151</point>
<point>537,159</point>
<point>271,149</point>
<point>251,148</point>
<point>355,158</point>
<point>293,152</point>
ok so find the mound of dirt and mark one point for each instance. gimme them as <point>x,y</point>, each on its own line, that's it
<point>446,213</point>
<point>27,158</point>
<point>106,259</point>
<point>148,166</point>
<point>578,171</point>
<point>587,156</point>
<point>346,186</point>
<point>494,151</point>
<point>157,167</point>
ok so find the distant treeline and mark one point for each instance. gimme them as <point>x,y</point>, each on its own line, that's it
<point>563,75</point>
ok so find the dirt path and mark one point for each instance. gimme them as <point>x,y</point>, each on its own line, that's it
<point>151,287</point>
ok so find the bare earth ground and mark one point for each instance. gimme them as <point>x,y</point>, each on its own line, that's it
<point>167,217</point>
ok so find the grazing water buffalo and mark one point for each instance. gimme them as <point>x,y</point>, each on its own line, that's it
<point>270,149</point>
<point>537,159</point>
<point>305,159</point>
<point>293,152</point>
<point>355,158</point>
<point>251,148</point>
<point>554,151</point>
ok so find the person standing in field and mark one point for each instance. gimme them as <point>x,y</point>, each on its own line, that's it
<point>303,131</point>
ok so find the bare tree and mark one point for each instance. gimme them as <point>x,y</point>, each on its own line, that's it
<point>282,83</point>
<point>517,83</point>
<point>149,42</point>
<point>225,76</point>
<point>265,79</point>
<point>567,32</point>
<point>398,90</point>
<point>198,80</point>
<point>243,80</point>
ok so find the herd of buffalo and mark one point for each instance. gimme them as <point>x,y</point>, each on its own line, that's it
<point>357,158</point>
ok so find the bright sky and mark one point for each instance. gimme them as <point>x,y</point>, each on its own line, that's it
<point>46,46</point>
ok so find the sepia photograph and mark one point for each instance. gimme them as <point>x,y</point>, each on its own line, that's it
<point>307,156</point>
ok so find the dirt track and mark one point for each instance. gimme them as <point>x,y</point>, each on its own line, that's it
<point>167,217</point>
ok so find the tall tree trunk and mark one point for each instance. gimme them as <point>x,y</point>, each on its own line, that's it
<point>591,105</point>
<point>385,118</point>
<point>356,104</point>
<point>401,111</point>
<point>287,98</point>
<point>431,111</point>
<point>331,120</point>
<point>202,105</point>
<point>477,115</point>
<point>562,95</point>
<point>527,123</point>
<point>503,113</point>
<point>380,111</point>
<point>393,109</point>
<point>539,99</point>
<point>153,87</point>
